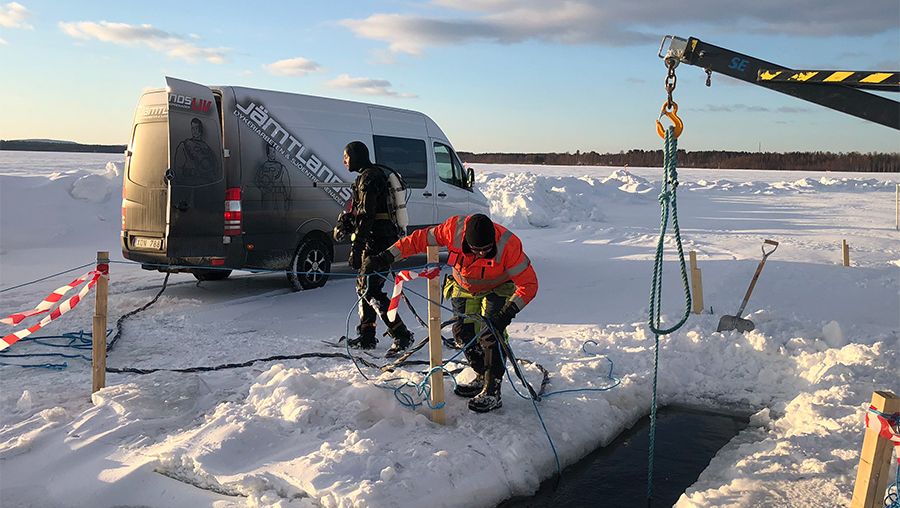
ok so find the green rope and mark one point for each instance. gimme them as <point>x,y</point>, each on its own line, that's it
<point>667,199</point>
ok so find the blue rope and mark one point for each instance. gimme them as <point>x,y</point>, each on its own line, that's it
<point>534,400</point>
<point>667,198</point>
<point>80,341</point>
<point>423,388</point>
<point>609,375</point>
<point>487,323</point>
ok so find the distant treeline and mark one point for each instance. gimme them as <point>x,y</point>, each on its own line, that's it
<point>800,161</point>
<point>58,146</point>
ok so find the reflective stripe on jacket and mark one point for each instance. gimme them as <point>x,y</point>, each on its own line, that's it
<point>476,275</point>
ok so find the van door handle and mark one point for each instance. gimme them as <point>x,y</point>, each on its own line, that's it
<point>182,206</point>
<point>426,194</point>
<point>442,195</point>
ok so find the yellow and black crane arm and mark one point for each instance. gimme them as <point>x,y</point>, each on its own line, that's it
<point>840,90</point>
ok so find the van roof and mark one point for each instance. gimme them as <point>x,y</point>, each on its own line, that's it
<point>360,108</point>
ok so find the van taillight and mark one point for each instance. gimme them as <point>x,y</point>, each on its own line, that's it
<point>233,211</point>
<point>123,207</point>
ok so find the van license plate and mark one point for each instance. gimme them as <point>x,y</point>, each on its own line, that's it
<point>148,243</point>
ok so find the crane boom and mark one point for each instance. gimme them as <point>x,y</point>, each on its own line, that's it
<point>844,94</point>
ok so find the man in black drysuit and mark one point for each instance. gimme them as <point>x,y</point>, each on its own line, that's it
<point>372,231</point>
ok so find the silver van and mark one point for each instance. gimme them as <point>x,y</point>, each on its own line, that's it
<point>221,178</point>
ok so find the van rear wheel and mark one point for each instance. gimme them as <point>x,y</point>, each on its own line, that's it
<point>310,265</point>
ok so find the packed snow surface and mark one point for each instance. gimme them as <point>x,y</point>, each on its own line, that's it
<point>315,432</point>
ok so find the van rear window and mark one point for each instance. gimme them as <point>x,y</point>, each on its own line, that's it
<point>406,156</point>
<point>149,154</point>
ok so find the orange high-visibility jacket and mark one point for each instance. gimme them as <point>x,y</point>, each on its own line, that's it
<point>476,275</point>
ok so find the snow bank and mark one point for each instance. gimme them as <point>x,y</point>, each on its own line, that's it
<point>61,209</point>
<point>803,185</point>
<point>533,200</point>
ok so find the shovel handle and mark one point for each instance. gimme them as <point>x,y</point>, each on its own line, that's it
<point>762,262</point>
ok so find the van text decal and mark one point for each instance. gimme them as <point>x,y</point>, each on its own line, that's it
<point>192,103</point>
<point>258,119</point>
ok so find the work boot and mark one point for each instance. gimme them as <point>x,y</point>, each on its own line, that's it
<point>470,389</point>
<point>365,337</point>
<point>402,340</point>
<point>489,398</point>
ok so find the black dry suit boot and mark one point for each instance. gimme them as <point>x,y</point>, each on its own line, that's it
<point>470,389</point>
<point>365,339</point>
<point>402,340</point>
<point>489,398</point>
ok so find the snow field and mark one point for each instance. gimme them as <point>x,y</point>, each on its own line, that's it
<point>314,433</point>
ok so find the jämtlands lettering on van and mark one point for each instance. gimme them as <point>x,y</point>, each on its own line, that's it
<point>258,118</point>
<point>154,111</point>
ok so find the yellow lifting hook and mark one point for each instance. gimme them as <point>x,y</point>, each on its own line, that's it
<point>673,116</point>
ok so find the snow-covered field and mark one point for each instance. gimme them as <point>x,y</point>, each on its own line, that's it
<point>314,432</point>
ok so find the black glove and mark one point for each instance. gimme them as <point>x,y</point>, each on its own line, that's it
<point>355,257</point>
<point>378,263</point>
<point>343,227</point>
<point>503,318</point>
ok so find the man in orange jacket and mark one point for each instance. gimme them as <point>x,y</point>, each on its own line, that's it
<point>492,278</point>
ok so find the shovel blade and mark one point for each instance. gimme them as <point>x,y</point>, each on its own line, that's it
<point>728,323</point>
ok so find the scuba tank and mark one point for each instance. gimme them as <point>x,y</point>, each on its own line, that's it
<point>397,197</point>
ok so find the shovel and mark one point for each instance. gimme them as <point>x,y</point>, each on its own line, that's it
<point>736,322</point>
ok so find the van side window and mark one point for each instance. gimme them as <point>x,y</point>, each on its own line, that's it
<point>448,167</point>
<point>460,171</point>
<point>406,156</point>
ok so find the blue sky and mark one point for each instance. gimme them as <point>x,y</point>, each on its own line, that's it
<point>497,75</point>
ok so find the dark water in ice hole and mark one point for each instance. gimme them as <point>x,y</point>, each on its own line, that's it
<point>616,476</point>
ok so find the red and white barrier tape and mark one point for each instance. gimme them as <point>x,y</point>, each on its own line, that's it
<point>406,275</point>
<point>884,429</point>
<point>47,303</point>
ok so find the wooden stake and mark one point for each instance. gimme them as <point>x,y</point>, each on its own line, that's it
<point>875,459</point>
<point>845,252</point>
<point>434,341</point>
<point>98,334</point>
<point>696,285</point>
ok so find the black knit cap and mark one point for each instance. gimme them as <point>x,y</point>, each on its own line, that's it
<point>479,231</point>
<point>359,155</point>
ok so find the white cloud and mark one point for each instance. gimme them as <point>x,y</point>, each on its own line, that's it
<point>3,42</point>
<point>173,45</point>
<point>366,86</point>
<point>298,66</point>
<point>13,14</point>
<point>618,22</point>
